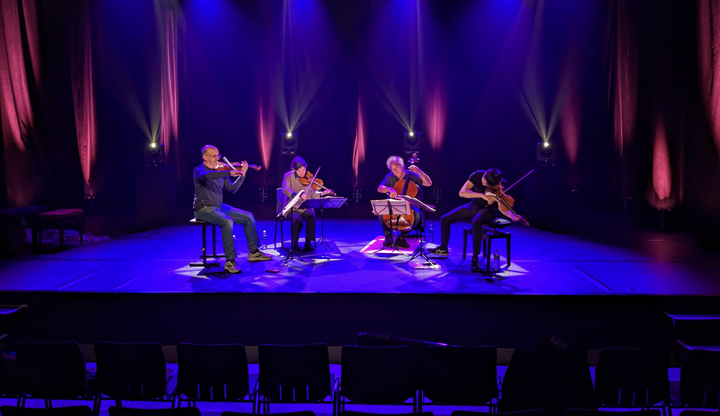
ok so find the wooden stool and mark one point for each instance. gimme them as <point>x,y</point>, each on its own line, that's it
<point>491,232</point>
<point>204,256</point>
<point>61,217</point>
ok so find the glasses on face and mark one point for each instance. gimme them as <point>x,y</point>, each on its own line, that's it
<point>217,156</point>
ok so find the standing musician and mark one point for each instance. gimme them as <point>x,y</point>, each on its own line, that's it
<point>291,186</point>
<point>208,205</point>
<point>482,209</point>
<point>396,164</point>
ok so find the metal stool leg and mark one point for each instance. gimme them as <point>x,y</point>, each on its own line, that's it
<point>465,237</point>
<point>507,248</point>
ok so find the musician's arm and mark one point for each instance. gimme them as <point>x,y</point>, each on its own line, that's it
<point>426,181</point>
<point>286,189</point>
<point>467,192</point>
<point>231,186</point>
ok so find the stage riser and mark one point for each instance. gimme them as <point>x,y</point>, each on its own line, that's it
<point>253,319</point>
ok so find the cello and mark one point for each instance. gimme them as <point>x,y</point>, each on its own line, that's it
<point>404,187</point>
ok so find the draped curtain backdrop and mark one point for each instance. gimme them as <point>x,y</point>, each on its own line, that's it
<point>81,70</point>
<point>23,184</point>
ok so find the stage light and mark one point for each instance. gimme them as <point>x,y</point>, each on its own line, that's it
<point>411,142</point>
<point>289,143</point>
<point>546,151</point>
<point>155,155</point>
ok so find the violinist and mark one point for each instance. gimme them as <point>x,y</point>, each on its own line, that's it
<point>208,204</point>
<point>290,187</point>
<point>481,209</point>
<point>396,164</point>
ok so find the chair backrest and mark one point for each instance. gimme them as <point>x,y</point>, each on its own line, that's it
<point>532,412</point>
<point>378,375</point>
<point>212,372</point>
<point>460,375</point>
<point>301,413</point>
<point>53,411</point>
<point>632,377</point>
<point>281,201</point>
<point>177,411</point>
<point>548,378</point>
<point>595,412</point>
<point>700,379</point>
<point>294,373</point>
<point>131,371</point>
<point>51,370</point>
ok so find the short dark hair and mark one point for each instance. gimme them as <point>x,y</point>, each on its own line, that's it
<point>493,177</point>
<point>298,163</point>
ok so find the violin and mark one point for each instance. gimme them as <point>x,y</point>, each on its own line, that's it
<point>404,187</point>
<point>235,166</point>
<point>505,202</point>
<point>317,183</point>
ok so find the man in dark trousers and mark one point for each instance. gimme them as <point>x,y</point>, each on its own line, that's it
<point>209,207</point>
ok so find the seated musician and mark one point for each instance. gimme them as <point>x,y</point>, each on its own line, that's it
<point>481,209</point>
<point>209,207</point>
<point>291,186</point>
<point>396,164</point>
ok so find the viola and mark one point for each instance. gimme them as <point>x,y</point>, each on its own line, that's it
<point>317,183</point>
<point>505,202</point>
<point>236,166</point>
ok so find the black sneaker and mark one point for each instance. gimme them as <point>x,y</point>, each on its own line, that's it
<point>439,251</point>
<point>388,241</point>
<point>296,248</point>
<point>401,243</point>
<point>475,265</point>
<point>308,249</point>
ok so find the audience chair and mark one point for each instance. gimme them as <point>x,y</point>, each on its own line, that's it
<point>131,371</point>
<point>52,370</point>
<point>633,378</point>
<point>700,380</point>
<point>549,378</point>
<point>461,376</point>
<point>595,412</point>
<point>378,375</point>
<point>212,373</point>
<point>303,413</point>
<point>52,411</point>
<point>354,413</point>
<point>128,411</point>
<point>294,374</point>
<point>698,413</point>
<point>533,412</point>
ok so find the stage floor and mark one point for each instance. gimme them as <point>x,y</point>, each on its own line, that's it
<point>542,263</point>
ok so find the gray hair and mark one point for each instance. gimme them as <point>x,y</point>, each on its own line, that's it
<point>396,160</point>
<point>205,148</point>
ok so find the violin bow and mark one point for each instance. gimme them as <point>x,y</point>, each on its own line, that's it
<point>233,168</point>
<point>518,181</point>
<point>312,180</point>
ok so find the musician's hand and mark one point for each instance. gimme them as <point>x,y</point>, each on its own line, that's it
<point>244,167</point>
<point>413,168</point>
<point>490,198</point>
<point>513,217</point>
<point>303,196</point>
<point>392,194</point>
<point>235,173</point>
<point>326,192</point>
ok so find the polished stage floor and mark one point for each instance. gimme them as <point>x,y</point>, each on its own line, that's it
<point>635,262</point>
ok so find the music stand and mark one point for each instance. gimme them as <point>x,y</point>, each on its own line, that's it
<point>321,204</point>
<point>391,207</point>
<point>420,249</point>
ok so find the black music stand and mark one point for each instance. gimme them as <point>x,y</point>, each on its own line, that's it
<point>321,204</point>
<point>420,249</point>
<point>292,255</point>
<point>391,207</point>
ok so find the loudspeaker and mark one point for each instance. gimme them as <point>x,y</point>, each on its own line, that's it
<point>155,196</point>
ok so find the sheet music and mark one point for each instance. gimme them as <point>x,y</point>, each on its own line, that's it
<point>291,204</point>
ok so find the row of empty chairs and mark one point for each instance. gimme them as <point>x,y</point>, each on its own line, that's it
<point>538,377</point>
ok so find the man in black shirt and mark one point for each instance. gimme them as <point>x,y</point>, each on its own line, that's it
<point>481,210</point>
<point>396,164</point>
<point>208,205</point>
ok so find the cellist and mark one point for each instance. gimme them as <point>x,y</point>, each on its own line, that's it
<point>396,164</point>
<point>481,209</point>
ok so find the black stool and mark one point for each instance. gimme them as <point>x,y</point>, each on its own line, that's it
<point>491,232</point>
<point>204,256</point>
